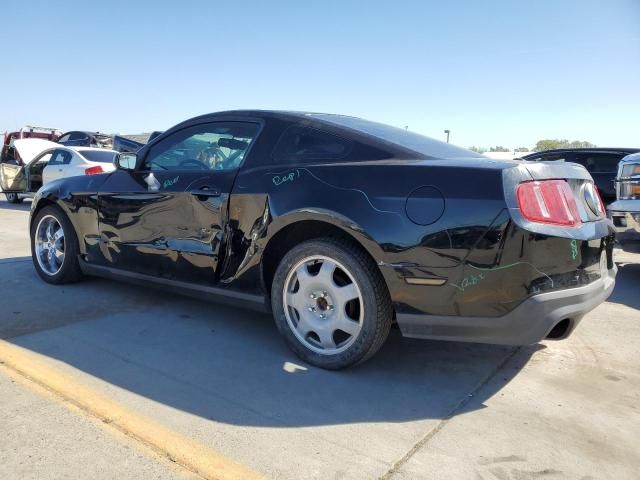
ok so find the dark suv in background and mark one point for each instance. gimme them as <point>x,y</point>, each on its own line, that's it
<point>86,139</point>
<point>602,164</point>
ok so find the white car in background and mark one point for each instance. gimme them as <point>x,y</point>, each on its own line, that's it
<point>42,161</point>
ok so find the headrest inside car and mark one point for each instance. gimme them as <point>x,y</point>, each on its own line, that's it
<point>232,143</point>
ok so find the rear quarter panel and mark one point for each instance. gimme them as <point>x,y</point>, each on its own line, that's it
<point>368,201</point>
<point>483,262</point>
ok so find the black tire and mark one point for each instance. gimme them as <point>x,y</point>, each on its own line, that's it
<point>70,269</point>
<point>13,198</point>
<point>378,310</point>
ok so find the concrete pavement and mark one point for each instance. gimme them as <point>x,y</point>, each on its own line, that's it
<point>44,438</point>
<point>222,378</point>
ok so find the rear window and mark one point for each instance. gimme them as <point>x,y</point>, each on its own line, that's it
<point>398,136</point>
<point>104,156</point>
<point>599,162</point>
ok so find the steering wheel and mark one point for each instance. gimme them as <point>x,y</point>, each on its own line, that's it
<point>196,163</point>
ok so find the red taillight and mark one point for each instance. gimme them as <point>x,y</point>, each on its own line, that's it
<point>548,201</point>
<point>93,170</point>
<point>603,209</point>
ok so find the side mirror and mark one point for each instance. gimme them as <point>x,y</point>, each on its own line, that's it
<point>126,161</point>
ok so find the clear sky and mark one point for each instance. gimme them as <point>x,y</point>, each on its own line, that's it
<point>501,72</point>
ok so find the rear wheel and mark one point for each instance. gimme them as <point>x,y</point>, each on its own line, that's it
<point>13,198</point>
<point>330,303</point>
<point>54,247</point>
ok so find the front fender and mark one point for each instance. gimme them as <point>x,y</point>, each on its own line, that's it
<point>77,197</point>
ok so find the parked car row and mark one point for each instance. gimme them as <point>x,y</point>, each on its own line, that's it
<point>339,227</point>
<point>34,156</point>
<point>601,163</point>
<point>41,161</point>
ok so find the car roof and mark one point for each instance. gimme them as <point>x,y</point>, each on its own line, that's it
<point>283,114</point>
<point>336,122</point>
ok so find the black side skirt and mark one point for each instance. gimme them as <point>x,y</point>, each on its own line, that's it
<point>212,294</point>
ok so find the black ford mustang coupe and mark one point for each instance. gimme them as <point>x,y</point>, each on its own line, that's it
<point>339,226</point>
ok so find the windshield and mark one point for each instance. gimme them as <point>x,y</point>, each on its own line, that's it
<point>105,156</point>
<point>404,138</point>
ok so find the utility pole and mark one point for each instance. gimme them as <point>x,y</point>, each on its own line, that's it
<point>447,132</point>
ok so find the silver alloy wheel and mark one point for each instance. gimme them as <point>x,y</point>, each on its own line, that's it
<point>323,305</point>
<point>49,244</point>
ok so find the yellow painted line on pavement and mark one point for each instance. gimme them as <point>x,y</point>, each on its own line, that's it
<point>190,454</point>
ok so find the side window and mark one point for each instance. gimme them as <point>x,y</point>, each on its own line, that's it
<point>599,162</point>
<point>43,158</point>
<point>60,157</point>
<point>208,146</point>
<point>300,144</point>
<point>64,138</point>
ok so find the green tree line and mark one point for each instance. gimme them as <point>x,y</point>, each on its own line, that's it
<point>541,145</point>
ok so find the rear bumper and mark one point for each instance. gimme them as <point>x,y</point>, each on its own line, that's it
<point>528,323</point>
<point>626,221</point>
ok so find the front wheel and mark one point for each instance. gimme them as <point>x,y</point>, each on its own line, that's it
<point>13,198</point>
<point>54,247</point>
<point>330,303</point>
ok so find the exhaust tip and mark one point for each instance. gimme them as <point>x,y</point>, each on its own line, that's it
<point>559,330</point>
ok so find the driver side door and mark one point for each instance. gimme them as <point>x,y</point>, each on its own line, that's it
<point>168,217</point>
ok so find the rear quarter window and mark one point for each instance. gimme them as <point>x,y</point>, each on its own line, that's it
<point>399,137</point>
<point>300,144</point>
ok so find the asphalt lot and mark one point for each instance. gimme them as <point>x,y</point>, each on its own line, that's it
<point>221,378</point>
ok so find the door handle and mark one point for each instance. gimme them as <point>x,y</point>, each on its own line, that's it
<point>205,192</point>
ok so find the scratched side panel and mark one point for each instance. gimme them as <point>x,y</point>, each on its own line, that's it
<point>488,264</point>
<point>167,231</point>
<point>247,236</point>
<point>368,202</point>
